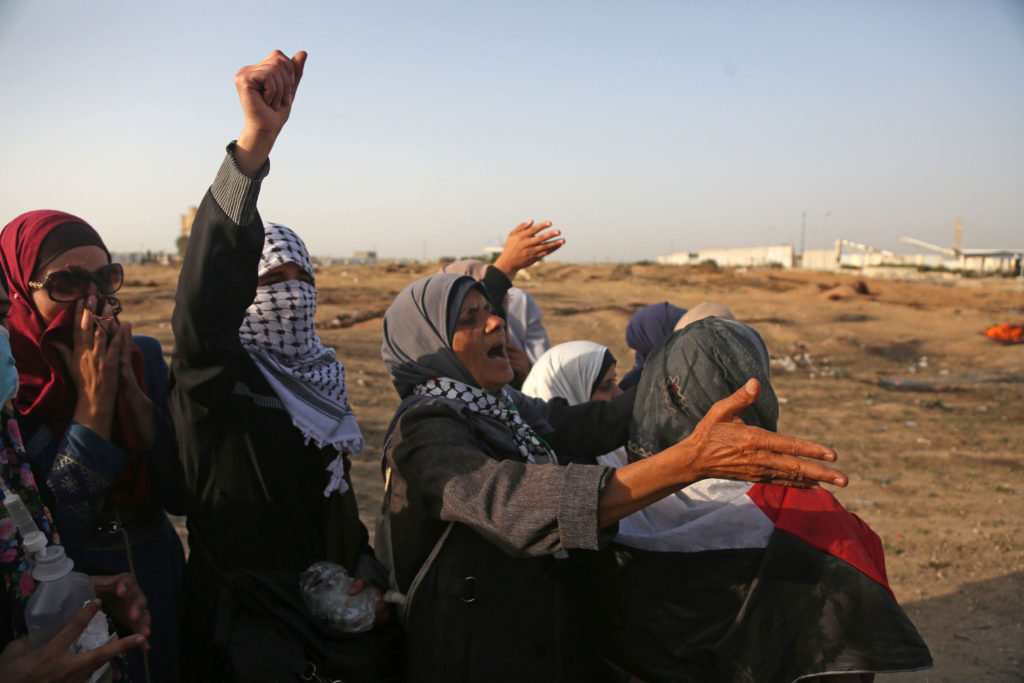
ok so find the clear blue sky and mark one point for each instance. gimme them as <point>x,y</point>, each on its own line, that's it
<point>432,128</point>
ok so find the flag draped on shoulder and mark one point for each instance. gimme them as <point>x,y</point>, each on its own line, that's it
<point>732,581</point>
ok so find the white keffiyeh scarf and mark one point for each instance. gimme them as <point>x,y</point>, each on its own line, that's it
<point>279,332</point>
<point>532,447</point>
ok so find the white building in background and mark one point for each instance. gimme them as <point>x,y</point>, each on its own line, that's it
<point>780,255</point>
<point>822,259</point>
<point>848,254</point>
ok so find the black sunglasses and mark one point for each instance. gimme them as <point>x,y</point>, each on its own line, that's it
<point>69,285</point>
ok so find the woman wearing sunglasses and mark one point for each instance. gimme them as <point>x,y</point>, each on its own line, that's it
<point>92,411</point>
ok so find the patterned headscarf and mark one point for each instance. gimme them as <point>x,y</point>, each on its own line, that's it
<point>279,332</point>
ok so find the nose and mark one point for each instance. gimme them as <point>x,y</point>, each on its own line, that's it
<point>494,322</point>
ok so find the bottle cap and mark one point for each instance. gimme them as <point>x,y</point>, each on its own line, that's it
<point>34,542</point>
<point>51,564</point>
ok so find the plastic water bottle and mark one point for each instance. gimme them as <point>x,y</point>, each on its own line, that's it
<point>59,595</point>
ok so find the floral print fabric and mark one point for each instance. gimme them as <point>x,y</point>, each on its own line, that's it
<point>14,561</point>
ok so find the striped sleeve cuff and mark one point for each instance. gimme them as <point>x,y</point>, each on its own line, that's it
<point>235,192</point>
<point>579,511</point>
<point>368,567</point>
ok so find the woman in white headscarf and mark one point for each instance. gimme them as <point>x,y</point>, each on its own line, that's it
<point>577,371</point>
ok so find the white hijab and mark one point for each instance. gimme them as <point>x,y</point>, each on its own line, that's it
<point>570,371</point>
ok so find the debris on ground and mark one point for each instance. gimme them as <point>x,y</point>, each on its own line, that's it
<point>799,359</point>
<point>1007,333</point>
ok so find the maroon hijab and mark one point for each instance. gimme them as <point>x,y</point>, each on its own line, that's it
<point>46,391</point>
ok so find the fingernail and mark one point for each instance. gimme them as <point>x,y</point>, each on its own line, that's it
<point>830,456</point>
<point>839,481</point>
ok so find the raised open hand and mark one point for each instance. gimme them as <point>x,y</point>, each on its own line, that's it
<point>527,244</point>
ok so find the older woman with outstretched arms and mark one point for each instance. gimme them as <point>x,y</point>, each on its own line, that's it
<point>474,483</point>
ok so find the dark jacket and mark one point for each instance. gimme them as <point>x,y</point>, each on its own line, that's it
<point>255,486</point>
<point>78,468</point>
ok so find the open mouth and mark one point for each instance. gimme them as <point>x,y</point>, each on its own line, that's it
<point>497,352</point>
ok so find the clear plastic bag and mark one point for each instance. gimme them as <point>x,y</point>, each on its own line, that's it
<point>324,587</point>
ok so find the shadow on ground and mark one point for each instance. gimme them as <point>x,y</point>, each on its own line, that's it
<point>955,626</point>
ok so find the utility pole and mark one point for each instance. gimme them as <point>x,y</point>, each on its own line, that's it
<point>803,235</point>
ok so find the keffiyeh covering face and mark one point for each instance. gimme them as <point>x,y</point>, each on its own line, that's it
<point>279,332</point>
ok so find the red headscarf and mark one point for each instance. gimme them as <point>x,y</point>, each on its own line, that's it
<point>46,391</point>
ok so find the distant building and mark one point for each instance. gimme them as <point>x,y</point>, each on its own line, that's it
<point>139,257</point>
<point>358,258</point>
<point>366,257</point>
<point>187,219</point>
<point>821,259</point>
<point>779,256</point>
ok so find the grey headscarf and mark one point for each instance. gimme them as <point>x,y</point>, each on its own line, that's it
<point>706,361</point>
<point>418,329</point>
<point>417,350</point>
<point>523,327</point>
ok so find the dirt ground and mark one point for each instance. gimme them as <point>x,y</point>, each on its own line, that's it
<point>925,412</point>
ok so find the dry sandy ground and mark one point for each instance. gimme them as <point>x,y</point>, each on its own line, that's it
<point>924,411</point>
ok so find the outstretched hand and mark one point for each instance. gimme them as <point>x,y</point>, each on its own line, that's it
<point>266,92</point>
<point>721,446</point>
<point>725,448</point>
<point>527,244</point>
<point>54,661</point>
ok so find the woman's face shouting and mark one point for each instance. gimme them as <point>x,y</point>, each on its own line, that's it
<point>479,343</point>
